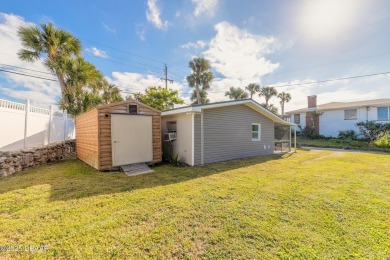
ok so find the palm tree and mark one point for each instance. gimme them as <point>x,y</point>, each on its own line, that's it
<point>236,93</point>
<point>91,100</point>
<point>284,98</point>
<point>98,86</point>
<point>203,97</point>
<point>115,94</point>
<point>79,74</point>
<point>273,109</point>
<point>54,45</point>
<point>201,77</point>
<point>268,93</point>
<point>253,88</point>
<point>111,93</point>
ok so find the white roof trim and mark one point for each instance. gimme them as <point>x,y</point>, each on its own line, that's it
<point>342,106</point>
<point>252,104</point>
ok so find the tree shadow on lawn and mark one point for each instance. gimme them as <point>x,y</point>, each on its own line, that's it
<point>73,179</point>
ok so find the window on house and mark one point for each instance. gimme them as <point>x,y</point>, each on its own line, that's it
<point>256,132</point>
<point>383,113</point>
<point>297,119</point>
<point>133,109</point>
<point>350,114</point>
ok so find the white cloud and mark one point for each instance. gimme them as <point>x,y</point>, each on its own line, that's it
<point>207,7</point>
<point>108,28</point>
<point>97,52</point>
<point>40,92</point>
<point>219,86</point>
<point>37,98</point>
<point>236,54</point>
<point>194,45</point>
<point>298,93</point>
<point>337,91</point>
<point>240,58</point>
<point>153,15</point>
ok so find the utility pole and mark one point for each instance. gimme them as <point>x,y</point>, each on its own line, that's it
<point>166,77</point>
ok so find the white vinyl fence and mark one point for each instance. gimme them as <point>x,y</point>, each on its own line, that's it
<point>26,126</point>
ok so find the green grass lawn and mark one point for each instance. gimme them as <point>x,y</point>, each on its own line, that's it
<point>313,204</point>
<point>341,144</point>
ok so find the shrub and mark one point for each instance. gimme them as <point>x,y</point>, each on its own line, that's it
<point>384,141</point>
<point>372,130</point>
<point>347,134</point>
<point>176,161</point>
<point>309,132</point>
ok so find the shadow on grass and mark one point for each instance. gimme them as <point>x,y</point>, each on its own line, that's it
<point>73,179</point>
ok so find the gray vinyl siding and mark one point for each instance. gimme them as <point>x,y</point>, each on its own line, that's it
<point>197,139</point>
<point>228,133</point>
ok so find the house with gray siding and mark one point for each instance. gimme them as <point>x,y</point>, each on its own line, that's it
<point>207,133</point>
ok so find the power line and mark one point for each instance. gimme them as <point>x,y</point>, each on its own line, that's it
<point>140,63</point>
<point>285,85</point>
<point>182,71</point>
<point>116,49</point>
<point>131,53</point>
<point>330,80</point>
<point>128,65</point>
<point>12,66</point>
<point>313,82</point>
<point>329,64</point>
<point>176,75</point>
<point>119,50</point>
<point>27,75</point>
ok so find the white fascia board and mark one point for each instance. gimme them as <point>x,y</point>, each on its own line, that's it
<point>267,113</point>
<point>254,105</point>
<point>337,108</point>
<point>238,102</point>
<point>178,111</point>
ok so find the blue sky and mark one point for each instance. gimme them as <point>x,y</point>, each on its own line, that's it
<point>267,42</point>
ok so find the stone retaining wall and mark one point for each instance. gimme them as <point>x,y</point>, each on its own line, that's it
<point>15,161</point>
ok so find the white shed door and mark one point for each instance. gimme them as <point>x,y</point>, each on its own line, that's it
<point>132,139</point>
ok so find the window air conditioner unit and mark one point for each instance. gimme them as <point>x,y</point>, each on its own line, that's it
<point>170,137</point>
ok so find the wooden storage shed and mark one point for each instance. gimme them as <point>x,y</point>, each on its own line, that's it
<point>118,134</point>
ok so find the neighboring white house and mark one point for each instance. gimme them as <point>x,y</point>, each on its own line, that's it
<point>207,133</point>
<point>337,116</point>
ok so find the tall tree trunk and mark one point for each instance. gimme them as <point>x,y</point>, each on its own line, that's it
<point>61,79</point>
<point>266,102</point>
<point>282,103</point>
<point>198,93</point>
